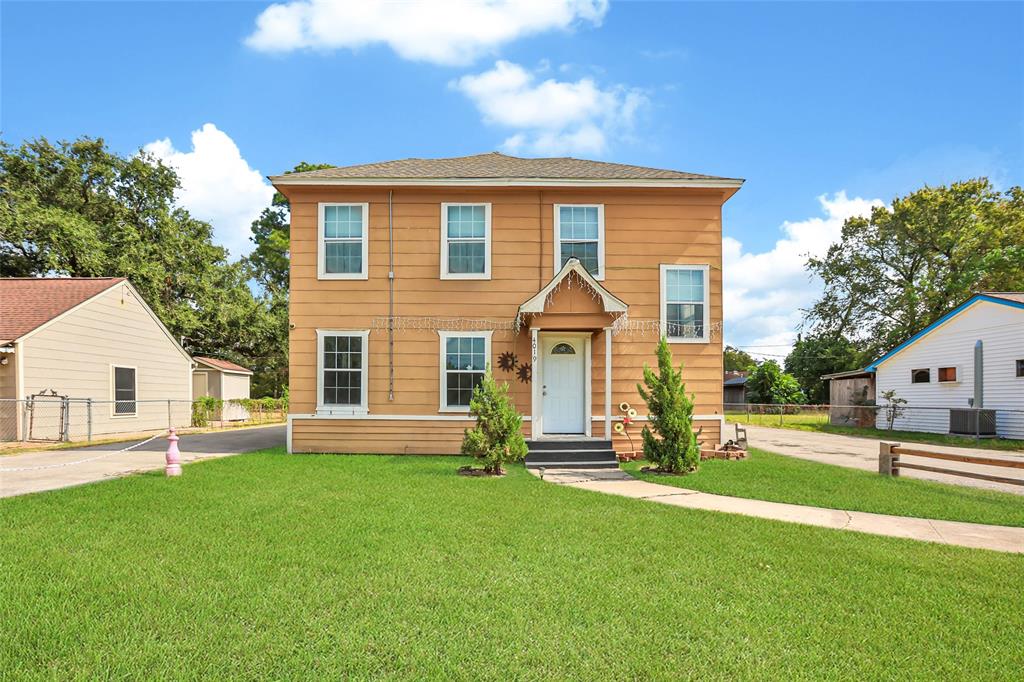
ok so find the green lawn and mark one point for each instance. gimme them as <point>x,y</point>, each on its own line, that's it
<point>818,421</point>
<point>273,566</point>
<point>778,478</point>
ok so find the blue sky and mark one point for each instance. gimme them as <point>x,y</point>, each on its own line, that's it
<point>824,108</point>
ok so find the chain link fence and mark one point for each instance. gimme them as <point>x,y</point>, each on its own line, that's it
<point>59,419</point>
<point>876,419</point>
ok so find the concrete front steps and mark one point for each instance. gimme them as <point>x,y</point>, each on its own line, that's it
<point>565,453</point>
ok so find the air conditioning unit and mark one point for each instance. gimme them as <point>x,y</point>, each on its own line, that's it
<point>972,422</point>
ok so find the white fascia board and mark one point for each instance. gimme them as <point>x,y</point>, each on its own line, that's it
<point>724,183</point>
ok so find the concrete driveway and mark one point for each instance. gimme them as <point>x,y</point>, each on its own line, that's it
<point>38,471</point>
<point>862,453</point>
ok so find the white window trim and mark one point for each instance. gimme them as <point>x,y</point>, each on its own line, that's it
<point>914,371</point>
<point>600,236</point>
<point>443,374</point>
<point>321,252</point>
<point>113,392</point>
<point>486,274</point>
<point>938,374</point>
<point>662,293</point>
<point>362,407</point>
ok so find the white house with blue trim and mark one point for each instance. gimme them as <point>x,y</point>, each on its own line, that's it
<point>935,368</point>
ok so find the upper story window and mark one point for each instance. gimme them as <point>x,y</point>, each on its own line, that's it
<point>463,362</point>
<point>341,370</point>
<point>465,241</point>
<point>947,375</point>
<point>685,303</point>
<point>579,233</point>
<point>342,241</point>
<point>920,376</point>
<point>124,391</point>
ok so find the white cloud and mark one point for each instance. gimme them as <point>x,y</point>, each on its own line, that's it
<point>437,31</point>
<point>552,116</point>
<point>217,185</point>
<point>764,292</point>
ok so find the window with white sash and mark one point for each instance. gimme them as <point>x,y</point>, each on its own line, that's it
<point>341,370</point>
<point>465,241</point>
<point>342,243</point>
<point>464,358</point>
<point>685,303</point>
<point>579,233</point>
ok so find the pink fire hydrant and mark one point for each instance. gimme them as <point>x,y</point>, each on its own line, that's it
<point>173,467</point>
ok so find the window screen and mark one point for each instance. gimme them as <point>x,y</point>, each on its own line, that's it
<point>124,390</point>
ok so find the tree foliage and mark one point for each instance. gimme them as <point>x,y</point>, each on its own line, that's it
<point>737,360</point>
<point>670,416</point>
<point>78,209</point>
<point>769,384</point>
<point>898,271</point>
<point>269,265</point>
<point>816,355</point>
<point>497,437</point>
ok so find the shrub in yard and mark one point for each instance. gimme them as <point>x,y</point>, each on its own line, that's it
<point>670,416</point>
<point>894,407</point>
<point>769,384</point>
<point>497,437</point>
<point>204,409</point>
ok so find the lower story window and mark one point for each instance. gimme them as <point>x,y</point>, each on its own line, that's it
<point>342,367</point>
<point>124,391</point>
<point>463,362</point>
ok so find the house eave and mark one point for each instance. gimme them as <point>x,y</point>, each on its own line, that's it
<point>708,183</point>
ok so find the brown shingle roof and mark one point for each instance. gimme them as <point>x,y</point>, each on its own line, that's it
<point>221,364</point>
<point>1015,296</point>
<point>28,302</point>
<point>494,166</point>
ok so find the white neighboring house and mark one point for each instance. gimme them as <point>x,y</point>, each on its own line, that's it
<point>223,380</point>
<point>94,340</point>
<point>935,367</point>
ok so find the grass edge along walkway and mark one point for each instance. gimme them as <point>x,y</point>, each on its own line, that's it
<point>774,477</point>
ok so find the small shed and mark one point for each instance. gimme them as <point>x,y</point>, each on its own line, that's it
<point>734,388</point>
<point>850,395</point>
<point>223,380</point>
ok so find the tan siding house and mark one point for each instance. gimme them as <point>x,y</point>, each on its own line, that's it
<point>408,277</point>
<point>90,339</point>
<point>223,380</point>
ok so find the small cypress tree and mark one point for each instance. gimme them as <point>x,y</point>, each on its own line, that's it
<point>670,416</point>
<point>497,437</point>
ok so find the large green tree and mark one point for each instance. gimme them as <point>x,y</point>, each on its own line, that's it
<point>268,264</point>
<point>768,384</point>
<point>815,355</point>
<point>78,209</point>
<point>737,360</point>
<point>902,268</point>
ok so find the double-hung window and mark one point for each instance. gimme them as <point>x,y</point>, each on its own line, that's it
<point>123,379</point>
<point>579,233</point>
<point>341,370</point>
<point>463,361</point>
<point>465,241</point>
<point>342,244</point>
<point>685,303</point>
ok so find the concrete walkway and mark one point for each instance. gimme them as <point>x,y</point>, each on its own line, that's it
<point>33,472</point>
<point>862,453</point>
<point>617,482</point>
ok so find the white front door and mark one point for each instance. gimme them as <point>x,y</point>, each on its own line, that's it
<point>563,385</point>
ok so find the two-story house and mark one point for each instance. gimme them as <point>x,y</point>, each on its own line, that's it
<point>409,277</point>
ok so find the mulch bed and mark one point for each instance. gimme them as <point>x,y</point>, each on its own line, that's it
<point>474,471</point>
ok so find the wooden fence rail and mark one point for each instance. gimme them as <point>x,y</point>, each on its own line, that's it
<point>890,463</point>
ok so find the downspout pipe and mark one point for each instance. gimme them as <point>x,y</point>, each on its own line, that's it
<point>391,296</point>
<point>979,375</point>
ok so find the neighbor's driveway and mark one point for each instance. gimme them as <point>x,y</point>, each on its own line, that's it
<point>862,453</point>
<point>147,457</point>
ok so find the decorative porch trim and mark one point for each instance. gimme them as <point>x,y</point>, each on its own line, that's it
<point>610,303</point>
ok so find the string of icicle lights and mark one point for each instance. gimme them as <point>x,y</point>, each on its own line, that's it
<point>621,326</point>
